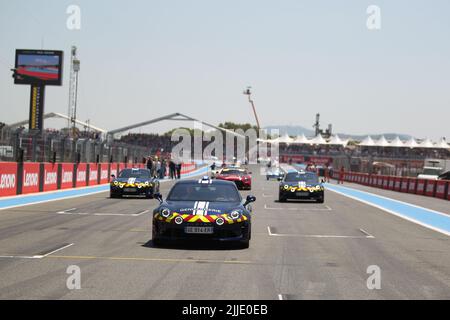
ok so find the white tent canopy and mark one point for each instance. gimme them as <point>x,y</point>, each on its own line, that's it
<point>284,139</point>
<point>335,140</point>
<point>318,140</point>
<point>442,144</point>
<point>301,139</point>
<point>411,143</point>
<point>382,142</point>
<point>397,142</point>
<point>367,142</point>
<point>426,144</point>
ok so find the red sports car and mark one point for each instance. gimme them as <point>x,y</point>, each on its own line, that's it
<point>241,177</point>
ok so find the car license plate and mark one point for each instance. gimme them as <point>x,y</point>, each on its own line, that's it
<point>199,230</point>
<point>302,194</point>
<point>129,189</point>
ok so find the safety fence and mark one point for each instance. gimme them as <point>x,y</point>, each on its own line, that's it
<point>426,187</point>
<point>31,177</point>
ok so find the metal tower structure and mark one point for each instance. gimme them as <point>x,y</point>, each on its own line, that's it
<point>249,94</point>
<point>73,91</point>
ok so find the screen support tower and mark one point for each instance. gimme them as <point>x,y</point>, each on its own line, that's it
<point>73,92</point>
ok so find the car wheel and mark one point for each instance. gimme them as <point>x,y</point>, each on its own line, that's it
<point>281,199</point>
<point>244,244</point>
<point>157,242</point>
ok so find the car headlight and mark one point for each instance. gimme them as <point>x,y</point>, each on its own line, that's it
<point>235,215</point>
<point>178,220</point>
<point>286,187</point>
<point>165,213</point>
<point>115,183</point>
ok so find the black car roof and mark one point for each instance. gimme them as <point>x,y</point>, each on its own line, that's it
<point>206,182</point>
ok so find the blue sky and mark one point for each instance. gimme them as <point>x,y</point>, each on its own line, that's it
<point>144,59</point>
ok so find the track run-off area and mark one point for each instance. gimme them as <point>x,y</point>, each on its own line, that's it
<point>299,250</point>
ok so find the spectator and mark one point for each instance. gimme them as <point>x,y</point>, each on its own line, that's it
<point>341,175</point>
<point>162,172</point>
<point>149,164</point>
<point>178,171</point>
<point>172,169</point>
<point>157,168</point>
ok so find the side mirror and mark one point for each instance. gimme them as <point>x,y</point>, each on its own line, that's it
<point>113,176</point>
<point>249,199</point>
<point>159,197</point>
<point>280,178</point>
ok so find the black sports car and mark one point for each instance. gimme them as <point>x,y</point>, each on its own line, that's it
<point>134,181</point>
<point>203,209</point>
<point>301,185</point>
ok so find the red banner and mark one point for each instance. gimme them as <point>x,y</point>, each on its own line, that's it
<point>429,191</point>
<point>440,189</point>
<point>113,169</point>
<point>81,180</point>
<point>8,178</point>
<point>66,175</point>
<point>397,183</point>
<point>104,177</point>
<point>405,184</point>
<point>412,185</point>
<point>30,182</point>
<point>50,176</point>
<point>420,186</point>
<point>93,174</point>
<point>121,167</point>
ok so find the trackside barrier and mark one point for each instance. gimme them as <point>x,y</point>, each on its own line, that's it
<point>50,176</point>
<point>441,189</point>
<point>420,188</point>
<point>32,177</point>
<point>432,188</point>
<point>8,178</point>
<point>429,190</point>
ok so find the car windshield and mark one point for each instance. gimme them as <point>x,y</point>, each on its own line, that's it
<point>431,171</point>
<point>130,173</point>
<point>233,172</point>
<point>309,178</point>
<point>199,192</point>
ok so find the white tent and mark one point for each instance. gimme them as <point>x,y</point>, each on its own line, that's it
<point>426,144</point>
<point>411,143</point>
<point>318,140</point>
<point>442,144</point>
<point>367,142</point>
<point>283,139</point>
<point>397,142</point>
<point>335,140</point>
<point>382,142</point>
<point>301,139</point>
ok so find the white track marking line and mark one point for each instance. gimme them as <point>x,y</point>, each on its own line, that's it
<point>396,213</point>
<point>56,250</point>
<point>280,297</point>
<point>67,211</point>
<point>327,208</point>
<point>37,256</point>
<point>368,236</point>
<point>267,195</point>
<point>140,213</point>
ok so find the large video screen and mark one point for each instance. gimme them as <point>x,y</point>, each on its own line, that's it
<point>39,67</point>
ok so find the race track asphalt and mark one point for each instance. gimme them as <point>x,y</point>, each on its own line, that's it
<point>298,251</point>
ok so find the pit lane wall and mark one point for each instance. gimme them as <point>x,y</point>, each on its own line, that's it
<point>425,187</point>
<point>32,177</point>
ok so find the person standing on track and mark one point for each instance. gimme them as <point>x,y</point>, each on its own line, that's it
<point>172,169</point>
<point>341,175</point>
<point>149,164</point>
<point>178,168</point>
